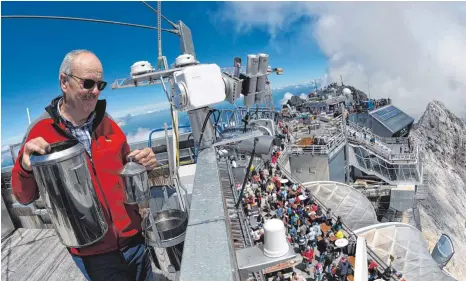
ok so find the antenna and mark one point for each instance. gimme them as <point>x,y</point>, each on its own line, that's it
<point>88,20</point>
<point>158,12</point>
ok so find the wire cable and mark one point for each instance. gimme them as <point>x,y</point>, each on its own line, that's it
<point>248,169</point>
<point>205,124</point>
<point>88,20</point>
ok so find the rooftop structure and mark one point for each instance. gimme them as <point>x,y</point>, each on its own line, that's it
<point>408,248</point>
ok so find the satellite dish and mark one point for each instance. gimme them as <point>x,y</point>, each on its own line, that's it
<point>443,251</point>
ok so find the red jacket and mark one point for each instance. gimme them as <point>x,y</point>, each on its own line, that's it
<point>109,149</point>
<point>308,254</point>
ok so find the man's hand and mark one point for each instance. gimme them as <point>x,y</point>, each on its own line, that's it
<point>145,157</point>
<point>38,145</point>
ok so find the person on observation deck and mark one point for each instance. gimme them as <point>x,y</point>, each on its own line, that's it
<point>78,114</point>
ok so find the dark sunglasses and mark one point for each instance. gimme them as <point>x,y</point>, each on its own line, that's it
<point>89,83</point>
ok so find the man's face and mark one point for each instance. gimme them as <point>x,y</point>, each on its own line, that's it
<point>82,100</point>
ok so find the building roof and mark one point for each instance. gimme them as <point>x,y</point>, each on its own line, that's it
<point>351,205</point>
<point>392,117</point>
<point>409,249</point>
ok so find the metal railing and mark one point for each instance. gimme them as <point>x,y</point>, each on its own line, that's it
<point>324,149</point>
<point>242,216</point>
<point>234,117</point>
<point>410,156</point>
<point>382,265</point>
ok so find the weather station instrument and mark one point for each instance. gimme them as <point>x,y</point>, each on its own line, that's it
<point>193,87</point>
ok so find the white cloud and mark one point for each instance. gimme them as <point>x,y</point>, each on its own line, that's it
<point>303,96</point>
<point>148,108</point>
<point>142,134</point>
<point>411,52</point>
<point>12,140</point>
<point>5,148</point>
<point>286,97</point>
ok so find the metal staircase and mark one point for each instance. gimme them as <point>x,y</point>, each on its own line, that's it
<point>422,190</point>
<point>372,163</point>
<point>392,215</point>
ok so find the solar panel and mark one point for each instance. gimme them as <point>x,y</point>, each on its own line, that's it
<point>386,113</point>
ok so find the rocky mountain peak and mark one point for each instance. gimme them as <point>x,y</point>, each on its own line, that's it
<point>443,133</point>
<point>442,139</point>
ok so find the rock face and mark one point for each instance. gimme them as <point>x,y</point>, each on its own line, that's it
<point>442,137</point>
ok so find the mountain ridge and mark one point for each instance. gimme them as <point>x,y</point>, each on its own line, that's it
<point>442,139</point>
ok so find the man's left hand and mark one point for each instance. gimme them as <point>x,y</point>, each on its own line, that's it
<point>145,157</point>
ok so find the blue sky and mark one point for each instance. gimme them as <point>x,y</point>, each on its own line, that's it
<point>32,51</point>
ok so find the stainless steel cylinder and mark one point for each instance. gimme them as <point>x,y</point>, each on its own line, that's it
<point>65,184</point>
<point>136,184</point>
<point>263,63</point>
<point>169,230</point>
<point>237,66</point>
<point>260,87</point>
<point>252,69</point>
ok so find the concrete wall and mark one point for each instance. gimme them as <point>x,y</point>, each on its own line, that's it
<point>307,167</point>
<point>337,167</point>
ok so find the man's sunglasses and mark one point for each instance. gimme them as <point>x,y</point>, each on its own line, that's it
<point>89,83</point>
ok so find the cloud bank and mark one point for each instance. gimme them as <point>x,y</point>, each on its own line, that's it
<point>286,97</point>
<point>138,110</point>
<point>142,134</point>
<point>412,52</point>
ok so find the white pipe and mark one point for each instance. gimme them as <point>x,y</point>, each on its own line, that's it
<point>29,116</point>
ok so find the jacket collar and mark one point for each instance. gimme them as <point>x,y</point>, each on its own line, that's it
<point>99,110</point>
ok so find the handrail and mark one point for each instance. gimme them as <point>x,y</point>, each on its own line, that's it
<point>149,144</point>
<point>389,156</point>
<point>240,212</point>
<point>321,149</point>
<point>371,253</point>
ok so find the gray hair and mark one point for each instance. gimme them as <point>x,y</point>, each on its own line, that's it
<point>68,61</point>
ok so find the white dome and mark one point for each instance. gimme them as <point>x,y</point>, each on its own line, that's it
<point>346,91</point>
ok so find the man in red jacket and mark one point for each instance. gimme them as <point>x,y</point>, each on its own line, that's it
<point>78,114</point>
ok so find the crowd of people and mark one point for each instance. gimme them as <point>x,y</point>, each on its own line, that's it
<point>310,229</point>
<point>268,194</point>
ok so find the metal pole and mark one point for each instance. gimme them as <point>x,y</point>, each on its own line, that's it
<point>345,133</point>
<point>197,119</point>
<point>29,116</point>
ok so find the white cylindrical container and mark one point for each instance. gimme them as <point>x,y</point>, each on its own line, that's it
<point>275,244</point>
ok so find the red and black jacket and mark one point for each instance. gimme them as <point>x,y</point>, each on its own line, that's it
<point>109,149</point>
